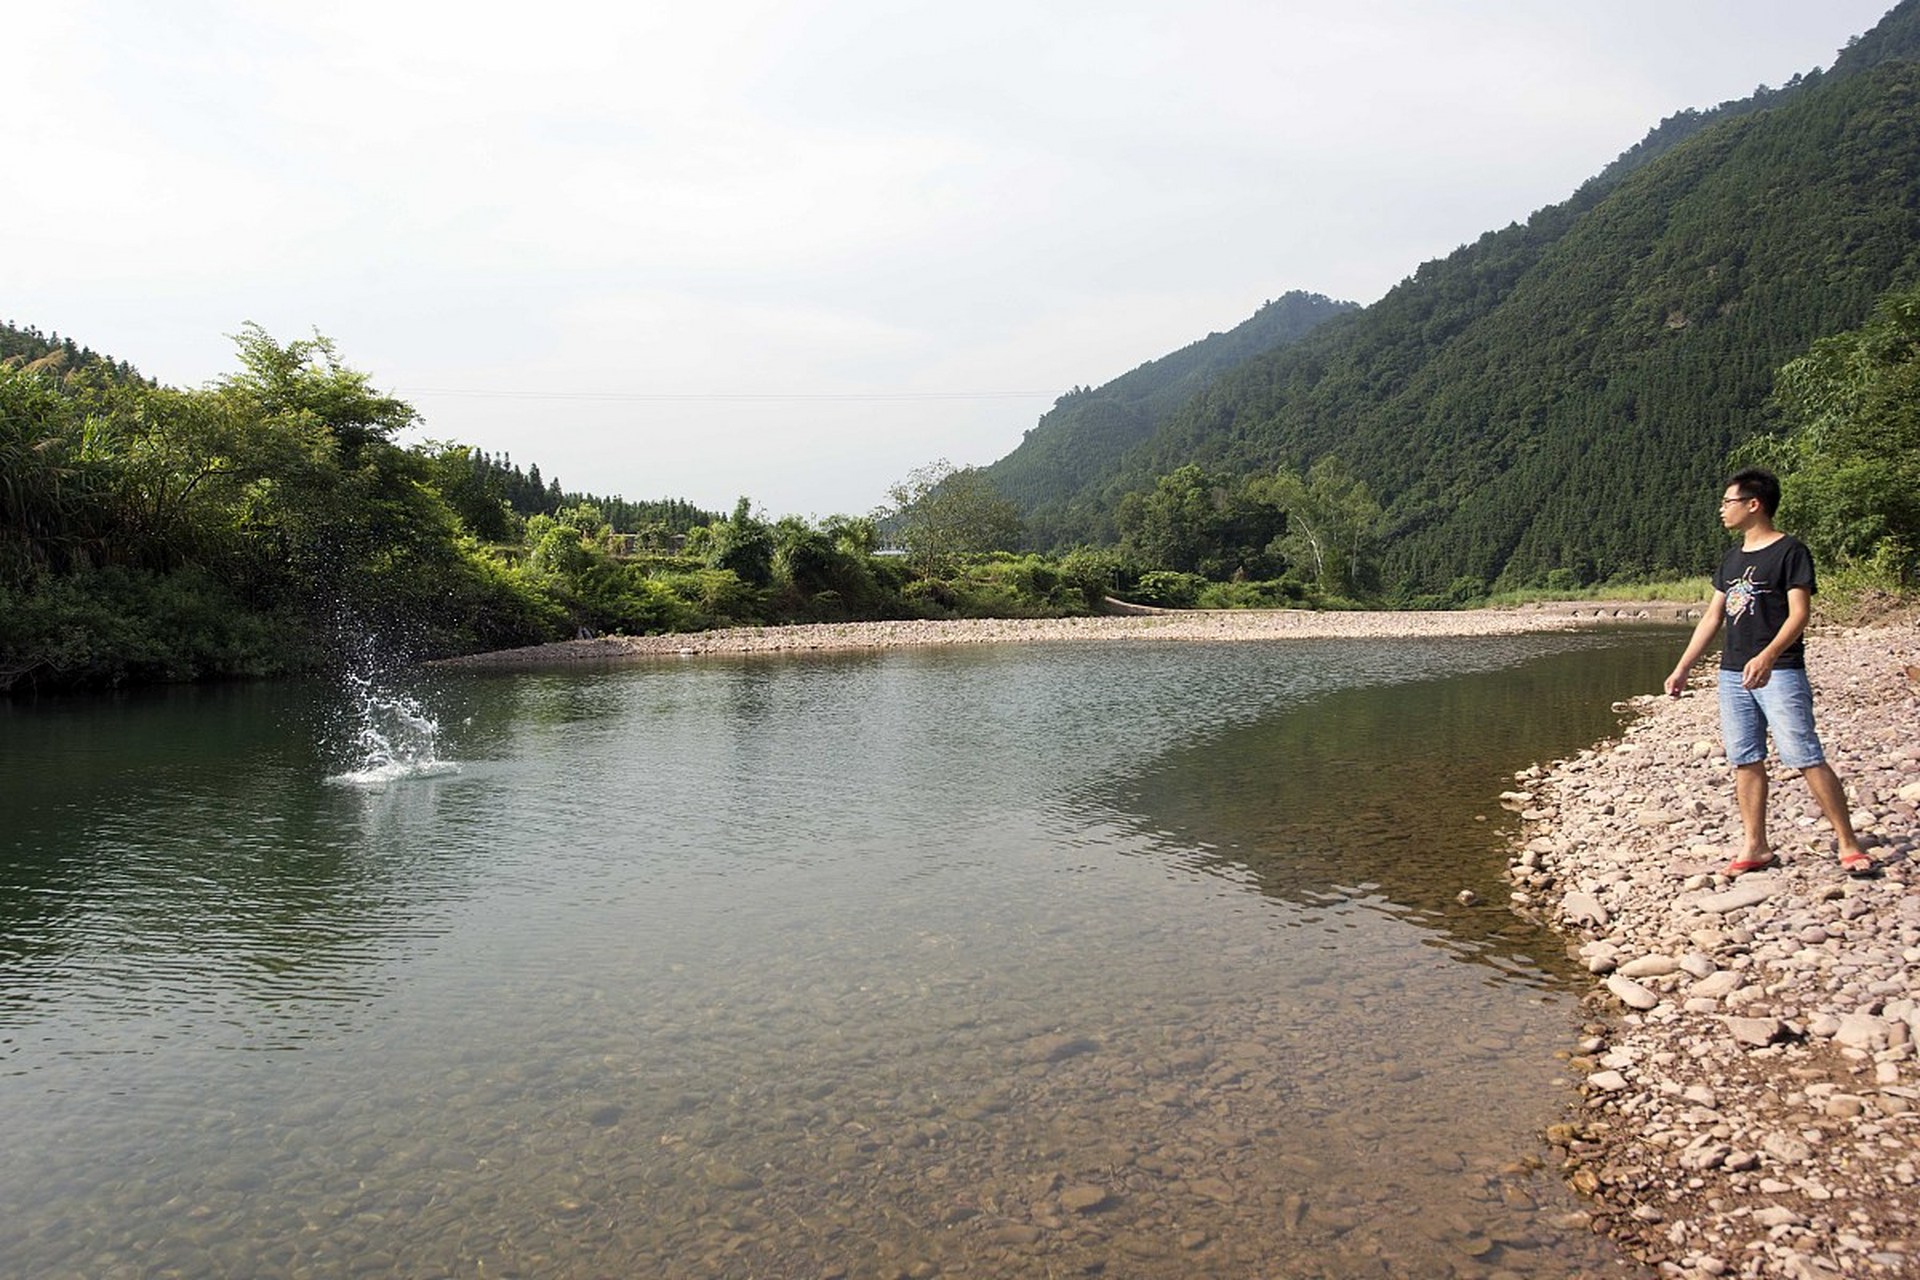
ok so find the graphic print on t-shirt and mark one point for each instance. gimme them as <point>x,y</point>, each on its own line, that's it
<point>1741,593</point>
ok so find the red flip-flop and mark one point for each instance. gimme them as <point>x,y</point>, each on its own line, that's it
<point>1859,866</point>
<point>1740,866</point>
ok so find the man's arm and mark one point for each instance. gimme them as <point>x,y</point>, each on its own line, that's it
<point>1703,635</point>
<point>1759,668</point>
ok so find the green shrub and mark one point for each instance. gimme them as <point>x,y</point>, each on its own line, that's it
<point>929,598</point>
<point>115,626</point>
<point>1095,573</point>
<point>1274,593</point>
<point>717,596</point>
<point>1466,591</point>
<point>989,599</point>
<point>494,604</point>
<point>1031,586</point>
<point>1564,580</point>
<point>1169,590</point>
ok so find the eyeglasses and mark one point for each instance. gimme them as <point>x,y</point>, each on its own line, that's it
<point>1726,501</point>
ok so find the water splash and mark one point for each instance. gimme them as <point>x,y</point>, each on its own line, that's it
<point>393,736</point>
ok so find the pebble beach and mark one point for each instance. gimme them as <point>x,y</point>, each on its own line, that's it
<point>1751,1096</point>
<point>1225,625</point>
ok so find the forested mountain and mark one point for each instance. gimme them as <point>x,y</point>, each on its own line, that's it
<point>1090,429</point>
<point>1560,393</point>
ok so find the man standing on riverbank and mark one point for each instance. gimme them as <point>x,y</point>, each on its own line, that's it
<point>1763,591</point>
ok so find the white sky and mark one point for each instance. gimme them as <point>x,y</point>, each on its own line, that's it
<point>796,249</point>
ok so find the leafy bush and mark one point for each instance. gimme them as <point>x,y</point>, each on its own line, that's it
<point>1168,590</point>
<point>985,598</point>
<point>498,606</point>
<point>1466,590</point>
<point>612,597</point>
<point>717,597</point>
<point>821,577</point>
<point>1031,586</point>
<point>117,626</point>
<point>929,598</point>
<point>1275,593</point>
<point>1095,573</point>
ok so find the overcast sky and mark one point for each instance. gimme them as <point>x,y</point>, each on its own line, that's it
<point>795,250</point>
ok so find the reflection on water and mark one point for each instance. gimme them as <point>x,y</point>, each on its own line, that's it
<point>1013,961</point>
<point>1367,787</point>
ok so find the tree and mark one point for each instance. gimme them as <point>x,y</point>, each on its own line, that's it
<point>1196,522</point>
<point>942,513</point>
<point>44,507</point>
<point>475,491</point>
<point>1175,526</point>
<point>305,381</point>
<point>852,535</point>
<point>743,544</point>
<point>1333,522</point>
<point>1851,463</point>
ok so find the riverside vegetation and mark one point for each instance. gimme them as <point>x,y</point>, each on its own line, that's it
<point>253,527</point>
<point>148,533</point>
<point>152,534</point>
<point>1527,414</point>
<point>247,528</point>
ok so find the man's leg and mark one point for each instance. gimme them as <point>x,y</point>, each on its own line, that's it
<point>1750,789</point>
<point>1832,799</point>
<point>1787,703</point>
<point>1744,730</point>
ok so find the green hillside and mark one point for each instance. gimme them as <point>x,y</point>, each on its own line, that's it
<point>1560,393</point>
<point>1090,429</point>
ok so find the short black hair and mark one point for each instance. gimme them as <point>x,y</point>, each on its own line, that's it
<point>1758,482</point>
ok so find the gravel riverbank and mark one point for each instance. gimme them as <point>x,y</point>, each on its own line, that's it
<point>1199,624</point>
<point>1752,1102</point>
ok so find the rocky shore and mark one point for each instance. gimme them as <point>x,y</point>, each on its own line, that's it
<point>1195,624</point>
<point>1751,1102</point>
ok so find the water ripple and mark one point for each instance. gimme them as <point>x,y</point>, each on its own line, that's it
<point>781,967</point>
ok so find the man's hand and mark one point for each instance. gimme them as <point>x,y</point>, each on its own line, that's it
<point>1757,672</point>
<point>1677,681</point>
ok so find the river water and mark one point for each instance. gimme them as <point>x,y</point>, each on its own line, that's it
<point>1135,959</point>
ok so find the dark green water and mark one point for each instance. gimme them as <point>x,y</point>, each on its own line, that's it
<point>1008,961</point>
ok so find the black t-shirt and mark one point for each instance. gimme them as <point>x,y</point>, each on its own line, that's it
<point>1756,583</point>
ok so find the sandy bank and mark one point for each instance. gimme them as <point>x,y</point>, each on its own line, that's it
<point>1752,1102</point>
<point>1204,625</point>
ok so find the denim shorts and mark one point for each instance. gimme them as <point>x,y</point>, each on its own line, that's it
<point>1783,707</point>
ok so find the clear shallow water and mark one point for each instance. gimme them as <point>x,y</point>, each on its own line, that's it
<point>1011,961</point>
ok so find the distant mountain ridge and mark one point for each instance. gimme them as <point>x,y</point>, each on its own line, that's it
<point>1090,429</point>
<point>1557,394</point>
